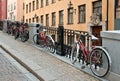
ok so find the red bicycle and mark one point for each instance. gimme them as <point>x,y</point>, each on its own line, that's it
<point>44,40</point>
<point>98,58</point>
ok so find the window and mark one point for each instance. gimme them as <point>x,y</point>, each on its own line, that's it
<point>53,19</point>
<point>53,1</point>
<point>37,4</point>
<point>70,40</point>
<point>23,6</point>
<point>70,16</point>
<point>14,5</point>
<point>47,19</point>
<point>33,5</point>
<point>26,8</point>
<point>61,19</point>
<point>47,2</point>
<point>97,8</point>
<point>117,15</point>
<point>23,18</point>
<point>42,19</point>
<point>42,3</point>
<point>26,20</point>
<point>81,14</point>
<point>37,19</point>
<point>33,20</point>
<point>29,20</point>
<point>11,7</point>
<point>29,7</point>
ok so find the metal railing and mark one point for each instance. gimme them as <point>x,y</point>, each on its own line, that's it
<point>68,37</point>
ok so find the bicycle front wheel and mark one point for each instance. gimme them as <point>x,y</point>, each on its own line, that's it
<point>74,53</point>
<point>99,62</point>
<point>25,36</point>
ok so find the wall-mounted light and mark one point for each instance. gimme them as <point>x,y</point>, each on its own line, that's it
<point>35,16</point>
<point>70,6</point>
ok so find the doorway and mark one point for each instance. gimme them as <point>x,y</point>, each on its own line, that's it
<point>96,32</point>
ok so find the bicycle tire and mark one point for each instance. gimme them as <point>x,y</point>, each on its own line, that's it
<point>74,53</point>
<point>25,36</point>
<point>16,34</point>
<point>99,62</point>
<point>38,41</point>
<point>50,45</point>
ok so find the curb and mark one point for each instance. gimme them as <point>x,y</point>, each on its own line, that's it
<point>22,63</point>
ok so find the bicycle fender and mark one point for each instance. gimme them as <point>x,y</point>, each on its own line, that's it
<point>100,47</point>
<point>51,39</point>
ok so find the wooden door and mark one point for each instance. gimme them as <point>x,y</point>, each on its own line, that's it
<point>96,32</point>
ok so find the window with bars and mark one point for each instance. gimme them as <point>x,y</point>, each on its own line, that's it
<point>37,4</point>
<point>117,10</point>
<point>53,19</point>
<point>82,14</point>
<point>97,8</point>
<point>61,17</point>
<point>70,16</point>
<point>47,19</point>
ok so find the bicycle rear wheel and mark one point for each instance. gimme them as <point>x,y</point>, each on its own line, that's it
<point>38,41</point>
<point>50,45</point>
<point>99,62</point>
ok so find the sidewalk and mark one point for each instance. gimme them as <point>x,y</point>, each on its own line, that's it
<point>45,66</point>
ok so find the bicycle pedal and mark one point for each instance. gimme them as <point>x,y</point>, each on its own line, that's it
<point>83,67</point>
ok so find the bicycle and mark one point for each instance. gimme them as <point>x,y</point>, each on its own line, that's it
<point>98,58</point>
<point>22,32</point>
<point>44,40</point>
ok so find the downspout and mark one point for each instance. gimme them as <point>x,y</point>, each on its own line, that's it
<point>107,14</point>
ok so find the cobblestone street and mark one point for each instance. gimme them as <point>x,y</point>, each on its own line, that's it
<point>8,71</point>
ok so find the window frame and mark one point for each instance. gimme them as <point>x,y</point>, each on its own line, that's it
<point>70,16</point>
<point>82,13</point>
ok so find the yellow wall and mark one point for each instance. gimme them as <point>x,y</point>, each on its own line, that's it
<point>111,18</point>
<point>63,5</point>
<point>20,11</point>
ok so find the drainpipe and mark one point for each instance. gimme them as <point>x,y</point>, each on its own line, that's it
<point>107,14</point>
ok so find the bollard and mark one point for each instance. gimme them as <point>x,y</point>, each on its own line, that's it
<point>60,47</point>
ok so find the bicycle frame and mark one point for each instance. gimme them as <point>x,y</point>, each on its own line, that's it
<point>84,50</point>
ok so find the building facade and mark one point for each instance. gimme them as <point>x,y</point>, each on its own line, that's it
<point>15,10</point>
<point>12,10</point>
<point>3,9</point>
<point>73,14</point>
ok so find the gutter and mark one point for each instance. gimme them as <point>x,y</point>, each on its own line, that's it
<point>107,13</point>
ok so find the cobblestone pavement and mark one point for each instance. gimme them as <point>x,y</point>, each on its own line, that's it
<point>45,65</point>
<point>9,72</point>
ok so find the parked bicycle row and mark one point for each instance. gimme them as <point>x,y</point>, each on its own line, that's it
<point>21,31</point>
<point>97,57</point>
